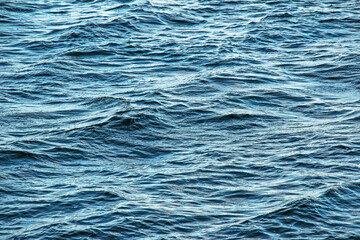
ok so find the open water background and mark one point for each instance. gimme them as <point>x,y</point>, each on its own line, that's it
<point>179,119</point>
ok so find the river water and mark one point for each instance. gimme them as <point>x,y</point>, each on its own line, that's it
<point>179,119</point>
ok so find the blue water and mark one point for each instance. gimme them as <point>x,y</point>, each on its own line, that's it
<point>179,119</point>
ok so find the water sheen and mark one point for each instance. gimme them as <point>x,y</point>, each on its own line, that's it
<point>179,119</point>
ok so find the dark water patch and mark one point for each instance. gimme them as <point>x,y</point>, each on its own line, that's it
<point>179,19</point>
<point>137,121</point>
<point>239,117</point>
<point>24,8</point>
<point>9,155</point>
<point>91,53</point>
<point>105,101</point>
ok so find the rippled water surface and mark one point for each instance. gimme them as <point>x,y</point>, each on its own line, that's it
<point>179,119</point>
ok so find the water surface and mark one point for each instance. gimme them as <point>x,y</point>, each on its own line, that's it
<point>187,119</point>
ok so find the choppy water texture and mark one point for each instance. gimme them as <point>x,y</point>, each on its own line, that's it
<point>180,119</point>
